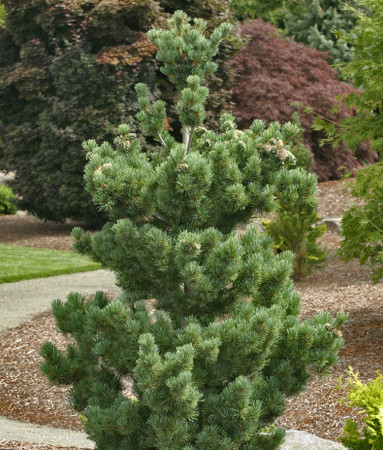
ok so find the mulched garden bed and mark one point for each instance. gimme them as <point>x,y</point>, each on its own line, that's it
<point>25,395</point>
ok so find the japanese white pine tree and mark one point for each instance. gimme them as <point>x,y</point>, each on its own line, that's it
<point>205,340</point>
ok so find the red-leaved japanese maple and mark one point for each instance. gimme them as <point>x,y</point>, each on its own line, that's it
<point>272,73</point>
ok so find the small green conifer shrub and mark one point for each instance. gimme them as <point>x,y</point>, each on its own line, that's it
<point>207,361</point>
<point>369,397</point>
<point>295,226</point>
<point>7,200</point>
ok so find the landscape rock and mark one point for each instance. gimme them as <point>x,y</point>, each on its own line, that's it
<point>332,223</point>
<point>301,440</point>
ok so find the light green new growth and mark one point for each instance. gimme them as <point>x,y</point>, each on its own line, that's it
<point>369,397</point>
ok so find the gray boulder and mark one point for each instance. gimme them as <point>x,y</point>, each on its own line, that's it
<point>301,440</point>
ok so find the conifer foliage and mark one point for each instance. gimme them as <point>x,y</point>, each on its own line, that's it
<point>319,24</point>
<point>205,341</point>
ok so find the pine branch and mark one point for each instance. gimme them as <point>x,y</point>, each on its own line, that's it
<point>186,137</point>
<point>190,139</point>
<point>161,139</point>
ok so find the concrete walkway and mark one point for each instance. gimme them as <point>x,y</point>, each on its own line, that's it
<point>22,300</point>
<point>19,303</point>
<point>12,430</point>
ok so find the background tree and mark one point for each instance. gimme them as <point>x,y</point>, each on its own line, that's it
<point>362,225</point>
<point>221,338</point>
<point>67,72</point>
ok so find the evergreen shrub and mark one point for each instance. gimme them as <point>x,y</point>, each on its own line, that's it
<point>67,72</point>
<point>302,156</point>
<point>273,74</point>
<point>295,225</point>
<point>205,341</point>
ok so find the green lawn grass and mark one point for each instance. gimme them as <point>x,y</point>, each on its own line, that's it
<point>24,263</point>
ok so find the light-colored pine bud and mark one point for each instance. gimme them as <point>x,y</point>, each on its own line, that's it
<point>229,125</point>
<point>238,133</point>
<point>106,166</point>
<point>337,333</point>
<point>102,168</point>
<point>201,129</point>
<point>183,166</point>
<point>273,141</point>
<point>328,326</point>
<point>280,143</point>
<point>268,148</point>
<point>284,154</point>
<point>242,144</point>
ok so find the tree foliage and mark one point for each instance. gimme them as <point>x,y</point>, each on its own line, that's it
<point>362,225</point>
<point>273,73</point>
<point>273,11</point>
<point>221,338</point>
<point>2,15</point>
<point>321,24</point>
<point>67,72</point>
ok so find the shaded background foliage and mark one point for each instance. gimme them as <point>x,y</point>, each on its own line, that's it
<point>312,22</point>
<point>315,25</point>
<point>67,72</point>
<point>272,73</point>
<point>273,11</point>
